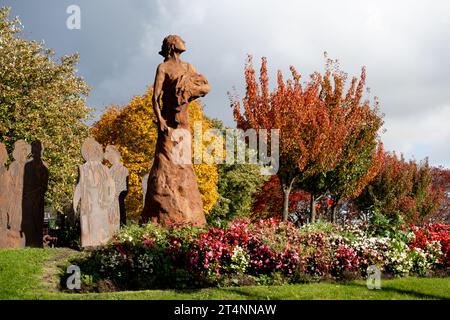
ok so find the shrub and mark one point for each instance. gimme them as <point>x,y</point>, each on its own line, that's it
<point>264,252</point>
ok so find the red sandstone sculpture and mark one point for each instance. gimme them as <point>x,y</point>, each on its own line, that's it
<point>16,238</point>
<point>96,191</point>
<point>172,192</point>
<point>35,184</point>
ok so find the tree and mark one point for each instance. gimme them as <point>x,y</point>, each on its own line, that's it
<point>441,182</point>
<point>362,150</point>
<point>402,188</point>
<point>236,186</point>
<point>133,130</point>
<point>313,122</point>
<point>42,99</point>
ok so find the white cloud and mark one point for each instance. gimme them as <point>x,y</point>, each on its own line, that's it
<point>420,135</point>
<point>404,44</point>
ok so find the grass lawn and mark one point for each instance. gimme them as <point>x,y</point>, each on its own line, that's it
<point>33,274</point>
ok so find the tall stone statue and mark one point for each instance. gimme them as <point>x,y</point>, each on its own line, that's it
<point>4,194</point>
<point>15,202</point>
<point>172,192</point>
<point>35,186</point>
<point>119,174</point>
<point>96,191</point>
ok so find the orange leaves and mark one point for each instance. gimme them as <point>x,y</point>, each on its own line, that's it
<point>312,124</point>
<point>322,127</point>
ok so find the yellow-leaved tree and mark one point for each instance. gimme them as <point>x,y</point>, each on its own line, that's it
<point>133,131</point>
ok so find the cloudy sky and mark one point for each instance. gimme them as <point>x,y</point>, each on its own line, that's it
<point>405,46</point>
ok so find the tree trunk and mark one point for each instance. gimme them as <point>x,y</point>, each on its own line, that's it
<point>334,208</point>
<point>313,208</point>
<point>333,212</point>
<point>286,192</point>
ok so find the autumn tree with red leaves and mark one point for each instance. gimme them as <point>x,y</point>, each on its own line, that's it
<point>441,181</point>
<point>313,119</point>
<point>403,188</point>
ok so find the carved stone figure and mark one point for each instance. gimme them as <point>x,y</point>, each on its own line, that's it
<point>4,194</point>
<point>16,238</point>
<point>119,174</point>
<point>35,186</point>
<point>172,192</point>
<point>96,192</point>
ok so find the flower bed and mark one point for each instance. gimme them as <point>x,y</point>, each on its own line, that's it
<point>262,253</point>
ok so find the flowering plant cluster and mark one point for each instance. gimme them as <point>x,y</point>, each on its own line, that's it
<point>429,236</point>
<point>152,256</point>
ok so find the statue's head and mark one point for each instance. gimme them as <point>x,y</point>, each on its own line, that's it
<point>21,150</point>
<point>3,154</point>
<point>112,154</point>
<point>172,43</point>
<point>91,150</point>
<point>37,148</point>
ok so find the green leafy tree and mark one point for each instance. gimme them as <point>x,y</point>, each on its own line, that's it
<point>236,186</point>
<point>42,99</point>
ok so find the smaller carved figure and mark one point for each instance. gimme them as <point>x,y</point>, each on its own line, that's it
<point>16,238</point>
<point>33,203</point>
<point>96,192</point>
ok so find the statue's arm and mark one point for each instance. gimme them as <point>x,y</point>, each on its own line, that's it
<point>157,90</point>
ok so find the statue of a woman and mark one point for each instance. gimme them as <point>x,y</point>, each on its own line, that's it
<point>96,192</point>
<point>172,193</point>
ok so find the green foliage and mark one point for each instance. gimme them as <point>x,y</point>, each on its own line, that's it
<point>42,99</point>
<point>237,185</point>
<point>318,226</point>
<point>384,226</point>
